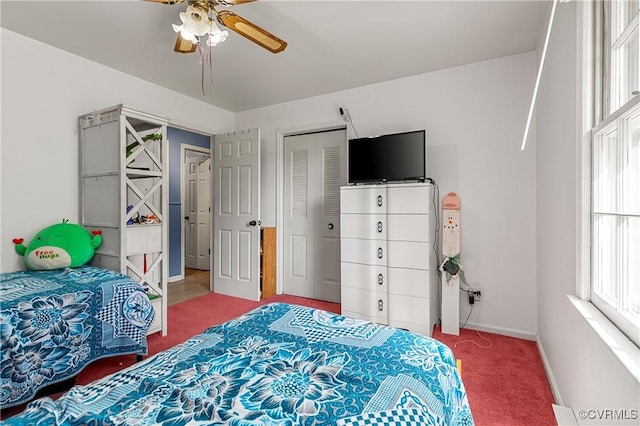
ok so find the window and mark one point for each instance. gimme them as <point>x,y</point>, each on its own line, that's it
<point>615,167</point>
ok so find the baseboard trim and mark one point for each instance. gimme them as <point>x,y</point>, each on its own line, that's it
<point>520,334</point>
<point>175,278</point>
<point>564,416</point>
<point>552,381</point>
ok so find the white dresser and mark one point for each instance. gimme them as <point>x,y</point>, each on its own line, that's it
<point>388,265</point>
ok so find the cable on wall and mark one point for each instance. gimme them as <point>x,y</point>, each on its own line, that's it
<point>436,209</point>
<point>489,345</point>
<point>435,200</point>
<point>344,113</point>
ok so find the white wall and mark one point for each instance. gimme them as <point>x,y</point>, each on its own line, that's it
<point>586,373</point>
<point>44,90</point>
<point>474,116</point>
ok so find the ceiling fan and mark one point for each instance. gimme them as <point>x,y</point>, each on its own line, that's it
<point>198,25</point>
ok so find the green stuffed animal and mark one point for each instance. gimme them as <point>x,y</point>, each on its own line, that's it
<point>59,246</point>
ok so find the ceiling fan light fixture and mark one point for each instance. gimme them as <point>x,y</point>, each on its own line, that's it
<point>196,23</point>
<point>185,34</point>
<point>216,35</point>
<point>196,19</point>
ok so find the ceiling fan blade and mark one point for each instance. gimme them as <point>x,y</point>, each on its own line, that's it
<point>166,1</point>
<point>251,31</point>
<point>231,2</point>
<point>184,46</point>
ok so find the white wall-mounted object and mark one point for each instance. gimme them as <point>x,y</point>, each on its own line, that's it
<point>389,271</point>
<point>123,179</point>
<point>451,249</point>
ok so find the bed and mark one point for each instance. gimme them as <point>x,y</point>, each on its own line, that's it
<point>54,323</point>
<point>278,364</point>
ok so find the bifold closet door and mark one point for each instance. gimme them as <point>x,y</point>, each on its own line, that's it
<point>315,168</point>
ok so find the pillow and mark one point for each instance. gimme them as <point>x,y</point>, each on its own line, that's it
<point>59,246</point>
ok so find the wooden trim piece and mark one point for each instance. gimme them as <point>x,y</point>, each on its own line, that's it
<point>268,282</point>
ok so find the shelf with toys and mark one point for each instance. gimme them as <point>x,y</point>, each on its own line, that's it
<point>124,191</point>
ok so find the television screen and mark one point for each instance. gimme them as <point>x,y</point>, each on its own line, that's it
<point>393,157</point>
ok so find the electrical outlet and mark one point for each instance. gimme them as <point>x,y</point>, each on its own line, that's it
<point>477,295</point>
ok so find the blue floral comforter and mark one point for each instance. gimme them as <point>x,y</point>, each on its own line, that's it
<point>54,323</point>
<point>276,365</point>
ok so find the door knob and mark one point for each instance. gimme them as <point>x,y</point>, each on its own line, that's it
<point>186,217</point>
<point>254,223</point>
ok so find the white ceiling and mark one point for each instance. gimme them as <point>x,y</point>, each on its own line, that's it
<point>333,45</point>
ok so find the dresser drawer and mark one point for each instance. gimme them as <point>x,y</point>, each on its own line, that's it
<point>409,198</point>
<point>369,252</point>
<point>364,304</point>
<point>369,226</point>
<point>366,277</point>
<point>407,254</point>
<point>408,310</point>
<point>410,282</point>
<point>358,199</point>
<point>408,227</point>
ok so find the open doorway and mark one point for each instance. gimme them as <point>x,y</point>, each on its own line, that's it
<point>196,192</point>
<point>192,232</point>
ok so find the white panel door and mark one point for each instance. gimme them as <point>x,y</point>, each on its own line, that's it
<point>197,189</point>
<point>203,214</point>
<point>191,212</point>
<point>236,219</point>
<point>315,168</point>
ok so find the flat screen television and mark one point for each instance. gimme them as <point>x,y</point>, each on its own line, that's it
<point>386,158</point>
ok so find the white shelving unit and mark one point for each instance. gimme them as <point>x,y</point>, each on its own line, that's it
<point>388,266</point>
<point>123,180</point>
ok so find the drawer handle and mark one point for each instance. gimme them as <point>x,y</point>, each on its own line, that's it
<point>380,279</point>
<point>379,226</point>
<point>330,226</point>
<point>379,200</point>
<point>379,252</point>
<point>380,305</point>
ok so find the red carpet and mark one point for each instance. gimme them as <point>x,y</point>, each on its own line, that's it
<point>506,384</point>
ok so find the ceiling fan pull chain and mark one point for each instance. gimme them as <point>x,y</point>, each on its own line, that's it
<point>211,63</point>
<point>200,50</point>
<point>205,56</point>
